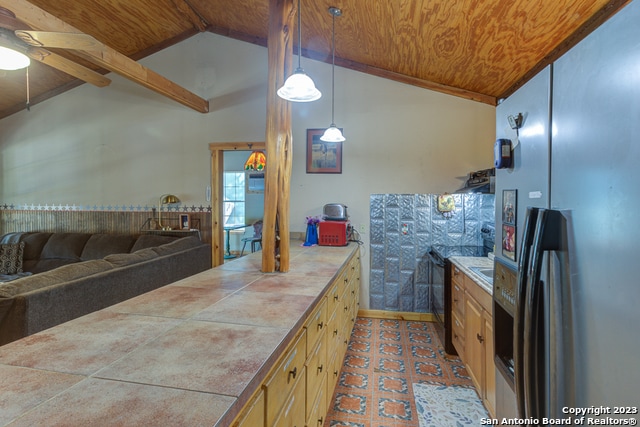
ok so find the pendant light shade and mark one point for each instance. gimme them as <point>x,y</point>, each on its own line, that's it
<point>12,60</point>
<point>257,161</point>
<point>299,87</point>
<point>333,134</point>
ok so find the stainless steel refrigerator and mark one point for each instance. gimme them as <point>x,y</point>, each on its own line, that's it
<point>575,215</point>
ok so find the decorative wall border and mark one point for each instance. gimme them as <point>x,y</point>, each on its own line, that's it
<point>102,208</point>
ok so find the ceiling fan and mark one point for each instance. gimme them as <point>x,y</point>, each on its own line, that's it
<point>31,29</point>
<point>15,34</point>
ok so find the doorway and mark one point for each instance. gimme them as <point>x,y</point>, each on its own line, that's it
<point>218,237</point>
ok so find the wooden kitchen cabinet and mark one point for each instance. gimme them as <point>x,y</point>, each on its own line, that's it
<point>472,334</point>
<point>298,390</point>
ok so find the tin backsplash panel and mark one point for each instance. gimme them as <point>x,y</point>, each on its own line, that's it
<point>403,228</point>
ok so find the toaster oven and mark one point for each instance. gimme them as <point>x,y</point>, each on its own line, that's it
<point>334,233</point>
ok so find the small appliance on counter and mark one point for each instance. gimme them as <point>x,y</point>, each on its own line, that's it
<point>335,212</point>
<point>335,228</point>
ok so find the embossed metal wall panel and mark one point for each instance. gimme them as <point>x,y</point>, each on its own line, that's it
<point>403,227</point>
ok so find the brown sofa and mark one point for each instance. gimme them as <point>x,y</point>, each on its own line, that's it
<point>68,275</point>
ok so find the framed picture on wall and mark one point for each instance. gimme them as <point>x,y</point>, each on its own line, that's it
<point>185,222</point>
<point>509,241</point>
<point>509,206</point>
<point>323,157</point>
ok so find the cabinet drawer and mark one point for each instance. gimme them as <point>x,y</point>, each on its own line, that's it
<point>457,334</point>
<point>316,372</point>
<point>333,298</point>
<point>333,334</point>
<point>254,413</point>
<point>293,410</point>
<point>318,409</point>
<point>457,299</point>
<point>316,325</point>
<point>335,365</point>
<point>457,275</point>
<point>284,377</point>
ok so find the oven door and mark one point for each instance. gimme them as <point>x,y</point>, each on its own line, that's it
<point>437,288</point>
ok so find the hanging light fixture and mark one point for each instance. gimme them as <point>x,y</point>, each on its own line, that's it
<point>299,87</point>
<point>257,161</point>
<point>11,57</point>
<point>333,134</point>
<point>12,60</point>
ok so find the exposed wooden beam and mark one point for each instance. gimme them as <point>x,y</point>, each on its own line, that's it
<point>66,65</point>
<point>107,57</point>
<point>192,15</point>
<point>275,250</point>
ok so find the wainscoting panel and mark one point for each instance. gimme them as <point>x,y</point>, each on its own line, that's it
<point>65,219</point>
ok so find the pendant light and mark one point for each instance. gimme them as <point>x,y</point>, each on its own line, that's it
<point>299,87</point>
<point>257,161</point>
<point>333,134</point>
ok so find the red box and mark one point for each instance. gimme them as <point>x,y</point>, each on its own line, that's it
<point>334,233</point>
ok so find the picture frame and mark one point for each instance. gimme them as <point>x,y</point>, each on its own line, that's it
<point>509,241</point>
<point>185,221</point>
<point>509,206</point>
<point>323,157</point>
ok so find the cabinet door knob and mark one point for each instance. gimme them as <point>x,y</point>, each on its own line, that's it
<point>320,368</point>
<point>293,374</point>
<point>480,338</point>
<point>321,325</point>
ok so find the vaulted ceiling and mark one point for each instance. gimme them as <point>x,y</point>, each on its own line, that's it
<point>476,49</point>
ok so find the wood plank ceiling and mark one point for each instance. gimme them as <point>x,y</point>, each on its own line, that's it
<point>477,49</point>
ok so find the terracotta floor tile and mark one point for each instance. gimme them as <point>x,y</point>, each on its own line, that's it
<point>384,359</point>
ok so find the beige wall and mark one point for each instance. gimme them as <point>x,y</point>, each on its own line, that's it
<point>125,145</point>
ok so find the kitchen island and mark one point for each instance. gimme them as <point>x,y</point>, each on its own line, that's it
<point>200,351</point>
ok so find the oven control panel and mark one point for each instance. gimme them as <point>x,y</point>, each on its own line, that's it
<point>504,286</point>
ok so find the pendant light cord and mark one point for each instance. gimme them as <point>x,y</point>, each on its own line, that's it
<point>333,67</point>
<point>299,36</point>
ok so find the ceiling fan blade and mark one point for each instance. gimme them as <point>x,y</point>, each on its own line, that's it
<point>76,41</point>
<point>63,64</point>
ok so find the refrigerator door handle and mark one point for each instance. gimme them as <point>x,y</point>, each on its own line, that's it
<point>547,237</point>
<point>518,324</point>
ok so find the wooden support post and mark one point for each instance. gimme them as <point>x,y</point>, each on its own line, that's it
<point>275,243</point>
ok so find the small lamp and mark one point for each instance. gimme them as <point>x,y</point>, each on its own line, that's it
<point>165,199</point>
<point>257,161</point>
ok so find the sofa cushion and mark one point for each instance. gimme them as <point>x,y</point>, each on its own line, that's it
<point>78,270</point>
<point>11,255</point>
<point>33,244</point>
<point>177,245</point>
<point>65,245</point>
<point>150,241</point>
<point>100,245</point>
<point>120,260</point>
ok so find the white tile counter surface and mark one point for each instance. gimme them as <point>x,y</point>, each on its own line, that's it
<point>465,263</point>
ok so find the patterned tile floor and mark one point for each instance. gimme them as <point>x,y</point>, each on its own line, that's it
<point>383,360</point>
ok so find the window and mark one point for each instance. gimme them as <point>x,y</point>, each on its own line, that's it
<point>234,198</point>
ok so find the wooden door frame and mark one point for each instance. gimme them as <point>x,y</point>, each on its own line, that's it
<point>217,150</point>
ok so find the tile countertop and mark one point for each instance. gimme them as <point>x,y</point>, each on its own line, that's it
<point>465,263</point>
<point>189,353</point>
